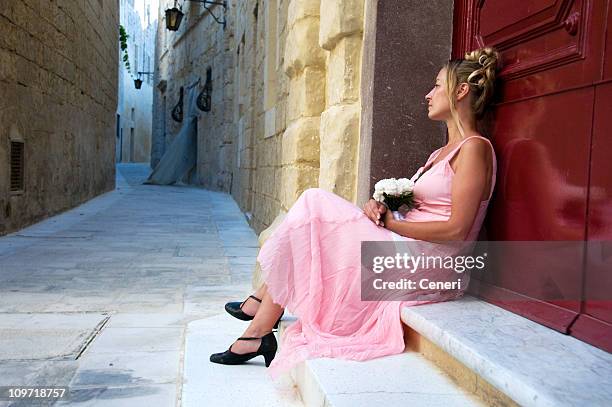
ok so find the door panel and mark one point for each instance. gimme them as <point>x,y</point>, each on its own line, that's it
<point>542,167</point>
<point>553,58</point>
<point>541,194</point>
<point>596,322</point>
<point>607,73</point>
<point>547,46</point>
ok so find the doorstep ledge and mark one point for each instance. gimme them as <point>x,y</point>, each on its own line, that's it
<point>528,362</point>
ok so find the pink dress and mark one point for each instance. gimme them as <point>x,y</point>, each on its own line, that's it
<point>311,265</point>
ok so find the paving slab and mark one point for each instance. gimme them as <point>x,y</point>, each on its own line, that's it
<point>127,369</point>
<point>46,336</point>
<point>152,258</point>
<point>122,340</point>
<point>152,395</point>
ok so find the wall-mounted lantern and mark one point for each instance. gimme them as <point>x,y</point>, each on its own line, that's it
<point>175,15</point>
<point>138,81</point>
<point>173,18</point>
<point>177,111</point>
<point>204,98</point>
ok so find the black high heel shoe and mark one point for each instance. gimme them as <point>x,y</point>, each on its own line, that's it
<point>267,348</point>
<point>235,310</point>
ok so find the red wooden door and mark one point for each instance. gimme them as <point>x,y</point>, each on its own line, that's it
<point>551,134</point>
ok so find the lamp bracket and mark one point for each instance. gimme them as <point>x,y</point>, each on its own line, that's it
<point>206,4</point>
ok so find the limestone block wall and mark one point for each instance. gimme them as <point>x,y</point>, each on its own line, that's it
<point>200,47</point>
<point>340,33</point>
<point>209,50</point>
<point>286,103</point>
<point>134,105</point>
<point>323,63</point>
<point>261,111</point>
<point>252,149</point>
<point>135,119</point>
<point>305,67</point>
<point>58,81</point>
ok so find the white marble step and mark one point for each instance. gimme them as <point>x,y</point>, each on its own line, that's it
<point>532,364</point>
<point>406,379</point>
<point>210,384</point>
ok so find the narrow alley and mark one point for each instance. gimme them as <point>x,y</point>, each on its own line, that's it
<point>99,298</point>
<point>205,203</point>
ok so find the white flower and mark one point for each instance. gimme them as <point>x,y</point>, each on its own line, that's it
<point>405,185</point>
<point>388,186</point>
<point>382,184</point>
<point>391,188</point>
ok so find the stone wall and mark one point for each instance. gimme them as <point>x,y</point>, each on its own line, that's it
<point>136,121</point>
<point>341,35</point>
<point>58,81</point>
<point>285,99</point>
<point>134,105</point>
<point>183,58</point>
<point>239,140</point>
<point>305,67</point>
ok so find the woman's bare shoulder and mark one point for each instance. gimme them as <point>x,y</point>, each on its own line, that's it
<point>476,142</point>
<point>476,149</point>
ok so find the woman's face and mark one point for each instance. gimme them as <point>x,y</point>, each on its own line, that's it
<point>437,99</point>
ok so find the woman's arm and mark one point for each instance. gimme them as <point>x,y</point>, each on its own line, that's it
<point>469,183</point>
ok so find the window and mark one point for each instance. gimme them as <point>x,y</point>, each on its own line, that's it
<point>16,167</point>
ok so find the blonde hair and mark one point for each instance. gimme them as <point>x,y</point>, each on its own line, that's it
<point>478,69</point>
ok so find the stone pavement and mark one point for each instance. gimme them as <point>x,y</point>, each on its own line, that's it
<point>99,298</point>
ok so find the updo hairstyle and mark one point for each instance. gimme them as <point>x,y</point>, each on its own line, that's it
<point>478,69</point>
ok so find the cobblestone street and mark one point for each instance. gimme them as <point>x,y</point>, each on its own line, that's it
<point>99,297</point>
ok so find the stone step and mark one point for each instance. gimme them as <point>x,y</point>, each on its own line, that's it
<point>527,362</point>
<point>397,380</point>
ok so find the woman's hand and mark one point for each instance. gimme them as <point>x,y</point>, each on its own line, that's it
<point>387,219</point>
<point>375,211</point>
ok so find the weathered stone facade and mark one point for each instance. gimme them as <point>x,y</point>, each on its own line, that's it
<point>58,81</point>
<point>285,102</point>
<point>182,58</point>
<point>341,34</point>
<point>134,105</point>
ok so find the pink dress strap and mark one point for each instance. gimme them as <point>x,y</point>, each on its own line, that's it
<point>450,155</point>
<point>494,172</point>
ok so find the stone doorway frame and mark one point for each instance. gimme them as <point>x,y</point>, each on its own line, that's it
<point>405,42</point>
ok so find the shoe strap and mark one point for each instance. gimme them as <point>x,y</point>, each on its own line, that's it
<point>250,338</point>
<point>250,296</point>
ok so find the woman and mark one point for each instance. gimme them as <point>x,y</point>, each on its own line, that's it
<point>311,263</point>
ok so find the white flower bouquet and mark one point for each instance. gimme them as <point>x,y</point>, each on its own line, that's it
<point>395,193</point>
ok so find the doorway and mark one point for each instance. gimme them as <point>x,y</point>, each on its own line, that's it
<point>551,135</point>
